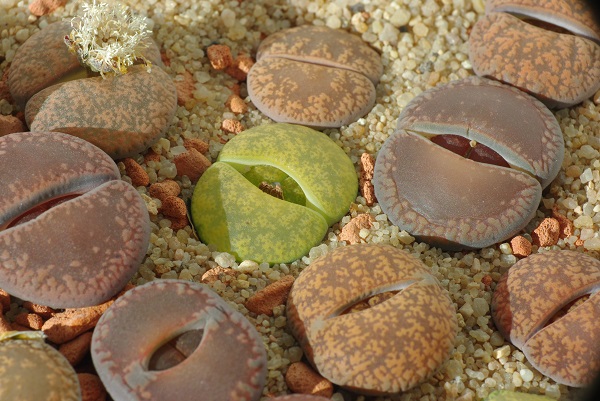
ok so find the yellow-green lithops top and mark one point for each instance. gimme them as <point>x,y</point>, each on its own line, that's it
<point>505,395</point>
<point>315,179</point>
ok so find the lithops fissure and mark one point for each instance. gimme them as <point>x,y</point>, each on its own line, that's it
<point>64,202</point>
<point>558,68</point>
<point>528,297</point>
<point>228,363</point>
<point>31,370</point>
<point>314,76</point>
<point>317,180</point>
<point>455,201</point>
<point>387,348</point>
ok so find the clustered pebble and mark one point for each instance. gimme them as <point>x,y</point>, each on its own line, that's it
<point>422,44</point>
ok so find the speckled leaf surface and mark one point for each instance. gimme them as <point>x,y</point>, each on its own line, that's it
<point>122,115</point>
<point>230,212</point>
<point>321,168</point>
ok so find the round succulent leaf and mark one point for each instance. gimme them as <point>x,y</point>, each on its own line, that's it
<point>230,212</point>
<point>319,166</point>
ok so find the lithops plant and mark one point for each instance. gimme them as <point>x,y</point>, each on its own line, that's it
<point>31,370</point>
<point>548,305</point>
<point>372,318</point>
<point>300,397</point>
<point>223,357</point>
<point>123,115</point>
<point>72,233</point>
<point>314,76</point>
<point>467,163</point>
<point>315,179</point>
<point>545,58</point>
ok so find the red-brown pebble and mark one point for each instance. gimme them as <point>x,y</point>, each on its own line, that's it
<point>236,104</point>
<point>45,7</point>
<point>10,124</point>
<point>222,274</point>
<point>92,388</point>
<point>566,226</point>
<point>219,56</point>
<point>67,325</point>
<point>185,88</point>
<point>30,320</point>
<point>367,166</point>
<point>521,246</point>
<point>173,206</point>
<point>231,125</point>
<point>547,233</point>
<point>301,378</point>
<point>164,189</point>
<point>197,144</point>
<point>177,223</point>
<point>240,67</point>
<point>4,301</point>
<point>273,295</point>
<point>45,312</point>
<point>151,156</point>
<point>5,325</point>
<point>350,232</point>
<point>191,163</point>
<point>76,349</point>
<point>139,176</point>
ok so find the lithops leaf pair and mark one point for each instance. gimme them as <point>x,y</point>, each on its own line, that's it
<point>72,233</point>
<point>548,305</point>
<point>314,76</point>
<point>317,183</point>
<point>217,353</point>
<point>372,318</point>
<point>555,57</point>
<point>31,370</point>
<point>467,163</point>
<point>123,115</point>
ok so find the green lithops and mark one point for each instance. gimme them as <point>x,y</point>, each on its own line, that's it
<point>314,180</point>
<point>506,395</point>
<point>31,370</point>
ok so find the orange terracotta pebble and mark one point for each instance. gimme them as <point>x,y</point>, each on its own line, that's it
<point>92,388</point>
<point>191,163</point>
<point>173,206</point>
<point>177,223</point>
<point>164,189</point>
<point>4,300</point>
<point>30,320</point>
<point>76,349</point>
<point>236,104</point>
<point>45,7</point>
<point>566,226</point>
<point>10,124</point>
<point>231,125</point>
<point>197,144</point>
<point>45,312</point>
<point>67,325</point>
<point>301,378</point>
<point>5,325</point>
<point>547,233</point>
<point>350,232</point>
<point>4,90</point>
<point>273,295</point>
<point>219,56</point>
<point>151,156</point>
<point>222,274</point>
<point>236,89</point>
<point>239,69</point>
<point>521,246</point>
<point>139,176</point>
<point>185,88</point>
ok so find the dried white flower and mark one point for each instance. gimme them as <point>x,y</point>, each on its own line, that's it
<point>108,38</point>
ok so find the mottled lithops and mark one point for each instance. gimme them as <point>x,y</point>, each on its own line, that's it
<point>506,395</point>
<point>548,305</point>
<point>372,318</point>
<point>314,76</point>
<point>560,69</point>
<point>71,232</point>
<point>467,164</point>
<point>226,362</point>
<point>31,370</point>
<point>267,180</point>
<point>122,115</point>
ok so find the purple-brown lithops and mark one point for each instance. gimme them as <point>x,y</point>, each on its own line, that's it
<point>545,57</point>
<point>371,318</point>
<point>314,76</point>
<point>467,164</point>
<point>123,115</point>
<point>548,305</point>
<point>72,233</point>
<point>222,359</point>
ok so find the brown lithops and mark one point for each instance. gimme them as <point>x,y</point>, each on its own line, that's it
<point>357,343</point>
<point>72,233</point>
<point>467,164</point>
<point>532,307</point>
<point>177,337</point>
<point>314,76</point>
<point>557,67</point>
<point>32,370</point>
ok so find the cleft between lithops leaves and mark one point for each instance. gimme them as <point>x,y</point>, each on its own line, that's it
<point>176,350</point>
<point>275,182</point>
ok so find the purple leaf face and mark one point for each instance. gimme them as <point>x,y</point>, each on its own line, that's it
<point>514,147</point>
<point>64,202</point>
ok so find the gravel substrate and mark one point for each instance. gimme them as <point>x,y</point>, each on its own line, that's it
<point>423,43</point>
